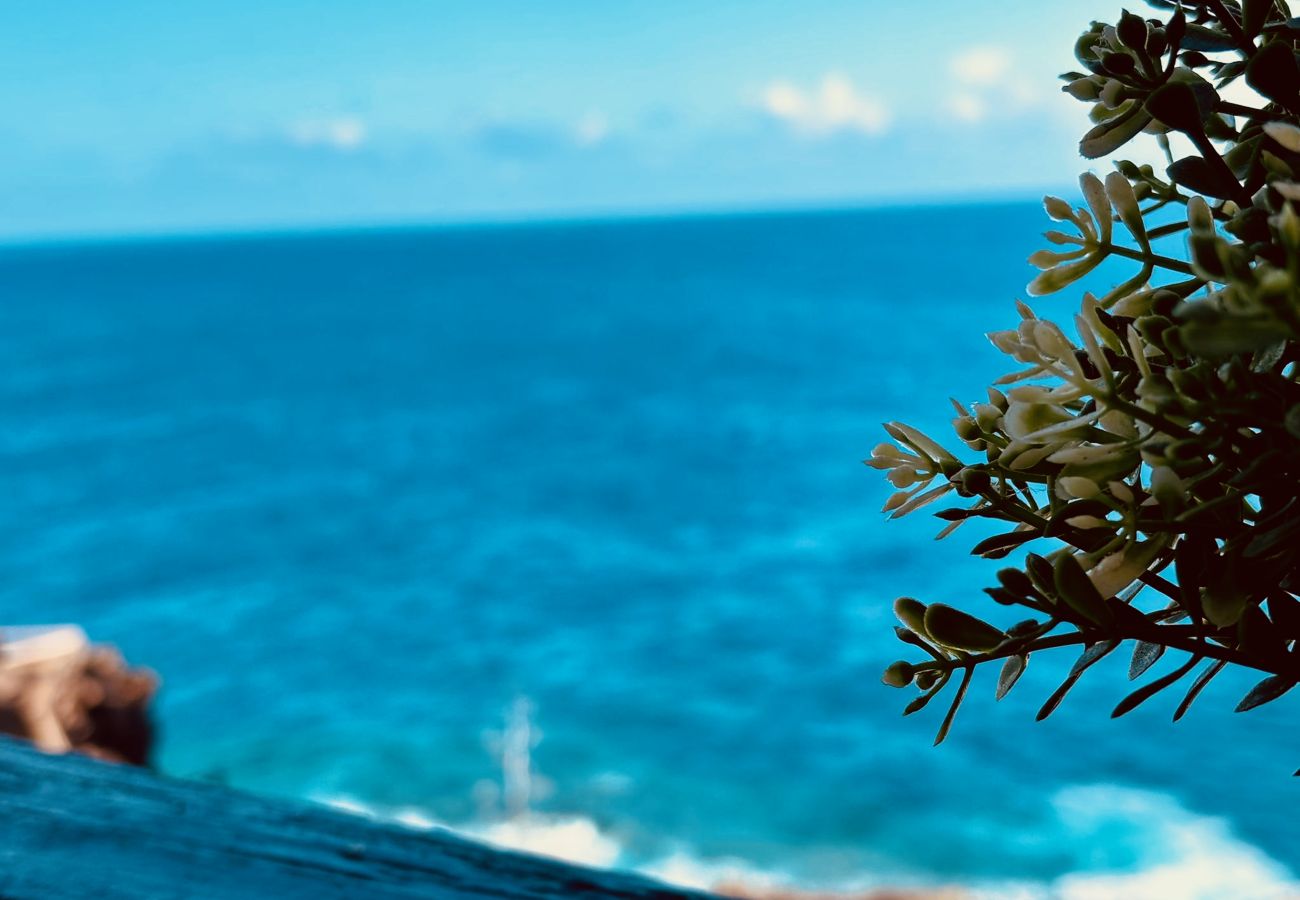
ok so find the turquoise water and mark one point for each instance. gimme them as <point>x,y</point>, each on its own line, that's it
<point>361,497</point>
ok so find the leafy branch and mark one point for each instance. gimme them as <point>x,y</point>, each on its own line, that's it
<point>1157,444</point>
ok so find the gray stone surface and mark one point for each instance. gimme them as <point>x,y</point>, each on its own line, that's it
<point>74,827</point>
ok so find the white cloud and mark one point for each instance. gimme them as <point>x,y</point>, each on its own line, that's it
<point>981,66</point>
<point>967,107</point>
<point>835,105</point>
<point>343,133</point>
<point>987,86</point>
<point>592,129</point>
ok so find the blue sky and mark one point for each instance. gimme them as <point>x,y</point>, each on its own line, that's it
<point>152,116</point>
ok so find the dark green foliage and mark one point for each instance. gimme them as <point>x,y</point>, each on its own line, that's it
<point>1148,456</point>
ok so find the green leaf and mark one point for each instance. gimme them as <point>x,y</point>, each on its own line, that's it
<point>1024,628</point>
<point>907,636</point>
<point>1127,618</point>
<point>1120,193</point>
<point>961,631</point>
<point>1283,537</point>
<point>1000,545</point>
<point>1254,14</point>
<point>1198,685</point>
<point>1132,30</point>
<point>918,441</point>
<point>1003,596</point>
<point>1269,357</point>
<point>1195,173</point>
<point>1224,600</point>
<point>1074,587</point>
<point>1120,64</point>
<point>1198,37</point>
<point>918,499</point>
<point>1120,569</point>
<point>1284,610</point>
<point>1266,691</point>
<point>1273,72</point>
<point>1176,28</point>
<point>1147,691</point>
<point>918,704</point>
<point>1230,336</point>
<point>1060,522</point>
<point>956,702</point>
<point>1108,137</point>
<point>1098,508</point>
<point>1094,191</point>
<point>1039,571</point>
<point>1053,280</point>
<point>1174,104</point>
<point>1012,669</point>
<point>1258,637</point>
<point>1292,421</point>
<point>1089,658</point>
<point>1192,557</point>
<point>1292,25</point>
<point>1017,582</point>
<point>1145,654</point>
<point>911,613</point>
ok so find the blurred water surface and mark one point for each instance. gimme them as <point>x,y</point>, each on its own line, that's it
<point>354,494</point>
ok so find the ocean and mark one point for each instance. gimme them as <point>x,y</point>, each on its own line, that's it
<point>558,534</point>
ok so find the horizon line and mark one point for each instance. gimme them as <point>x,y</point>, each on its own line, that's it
<point>519,219</point>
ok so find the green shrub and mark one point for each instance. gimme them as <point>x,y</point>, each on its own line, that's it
<point>1158,448</point>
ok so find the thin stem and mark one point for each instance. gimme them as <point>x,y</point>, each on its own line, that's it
<point>1184,289</point>
<point>1165,262</point>
<point>1075,539</point>
<point>1166,230</point>
<point>1163,585</point>
<point>1156,634</point>
<point>1211,153</point>
<point>1013,648</point>
<point>1232,26</point>
<point>1250,112</point>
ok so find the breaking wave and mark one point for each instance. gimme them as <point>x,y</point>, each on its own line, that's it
<point>1180,855</point>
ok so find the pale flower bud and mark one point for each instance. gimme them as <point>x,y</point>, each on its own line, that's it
<point>1057,208</point>
<point>1071,486</point>
<point>901,477</point>
<point>987,415</point>
<point>1198,215</point>
<point>1006,341</point>
<point>1167,488</point>
<point>1050,341</point>
<point>1111,95</point>
<point>1287,224</point>
<point>1285,134</point>
<point>1085,89</point>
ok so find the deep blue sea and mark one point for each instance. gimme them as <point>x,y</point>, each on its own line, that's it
<point>392,511</point>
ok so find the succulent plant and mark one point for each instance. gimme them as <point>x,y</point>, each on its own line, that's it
<point>1150,454</point>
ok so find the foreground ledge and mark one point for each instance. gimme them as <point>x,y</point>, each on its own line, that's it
<point>75,827</point>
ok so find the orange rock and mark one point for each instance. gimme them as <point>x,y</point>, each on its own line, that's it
<point>63,693</point>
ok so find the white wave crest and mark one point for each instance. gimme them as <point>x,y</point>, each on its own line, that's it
<point>1186,856</point>
<point>573,839</point>
<point>1182,855</point>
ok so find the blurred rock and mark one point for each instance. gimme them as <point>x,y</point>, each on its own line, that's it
<point>63,693</point>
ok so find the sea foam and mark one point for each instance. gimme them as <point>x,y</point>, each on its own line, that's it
<point>1181,855</point>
